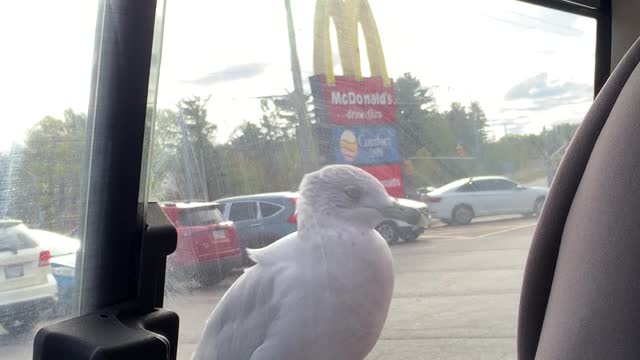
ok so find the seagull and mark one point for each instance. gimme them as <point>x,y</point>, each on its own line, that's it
<point>321,293</point>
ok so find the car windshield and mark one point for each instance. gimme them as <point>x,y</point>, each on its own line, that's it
<point>198,216</point>
<point>248,98</point>
<point>14,238</point>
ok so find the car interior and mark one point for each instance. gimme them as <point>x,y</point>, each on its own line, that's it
<point>556,283</point>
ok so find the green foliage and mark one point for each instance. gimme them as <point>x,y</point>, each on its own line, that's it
<point>49,173</point>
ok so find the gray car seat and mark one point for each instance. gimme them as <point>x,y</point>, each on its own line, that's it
<point>581,293</point>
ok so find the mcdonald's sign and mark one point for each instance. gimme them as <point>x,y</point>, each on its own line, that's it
<point>351,109</point>
<point>350,99</point>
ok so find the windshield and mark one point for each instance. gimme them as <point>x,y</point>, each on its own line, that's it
<point>438,91</point>
<point>252,97</point>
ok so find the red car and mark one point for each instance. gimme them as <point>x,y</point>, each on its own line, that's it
<point>207,243</point>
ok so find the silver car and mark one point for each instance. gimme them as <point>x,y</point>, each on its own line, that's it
<point>462,200</point>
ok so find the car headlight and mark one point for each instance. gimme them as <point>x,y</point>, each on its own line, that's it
<point>63,271</point>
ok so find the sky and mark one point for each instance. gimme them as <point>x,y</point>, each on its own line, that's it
<point>527,66</point>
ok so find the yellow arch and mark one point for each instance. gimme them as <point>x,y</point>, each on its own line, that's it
<point>347,15</point>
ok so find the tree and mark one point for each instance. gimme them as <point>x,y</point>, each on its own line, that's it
<point>163,164</point>
<point>185,163</point>
<point>478,120</point>
<point>49,173</point>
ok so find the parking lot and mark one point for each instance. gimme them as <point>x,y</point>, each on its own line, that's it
<point>456,296</point>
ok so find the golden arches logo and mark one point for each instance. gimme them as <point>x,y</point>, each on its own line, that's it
<point>347,15</point>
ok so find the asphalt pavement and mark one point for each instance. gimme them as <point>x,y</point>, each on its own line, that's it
<point>456,296</point>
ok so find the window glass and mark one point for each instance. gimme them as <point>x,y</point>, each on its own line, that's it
<point>200,216</point>
<point>238,116</point>
<point>268,209</point>
<point>46,81</point>
<point>504,185</point>
<point>243,211</point>
<point>484,185</point>
<point>469,187</point>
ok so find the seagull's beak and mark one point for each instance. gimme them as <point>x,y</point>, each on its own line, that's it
<point>404,213</point>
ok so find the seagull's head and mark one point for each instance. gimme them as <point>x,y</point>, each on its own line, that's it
<point>349,194</point>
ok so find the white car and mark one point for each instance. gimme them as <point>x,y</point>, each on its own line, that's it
<point>28,289</point>
<point>462,200</point>
<point>392,230</point>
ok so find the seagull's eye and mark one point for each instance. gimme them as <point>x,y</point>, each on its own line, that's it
<point>354,193</point>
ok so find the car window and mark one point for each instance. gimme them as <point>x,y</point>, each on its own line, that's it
<point>499,184</point>
<point>248,104</point>
<point>242,211</point>
<point>268,209</point>
<point>468,187</point>
<point>200,216</point>
<point>484,185</point>
<point>45,90</point>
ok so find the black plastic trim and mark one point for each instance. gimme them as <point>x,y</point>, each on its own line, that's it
<point>113,223</point>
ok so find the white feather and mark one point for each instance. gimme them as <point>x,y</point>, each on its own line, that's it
<point>321,293</point>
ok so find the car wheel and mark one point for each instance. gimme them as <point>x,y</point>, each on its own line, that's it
<point>462,215</point>
<point>19,324</point>
<point>389,231</point>
<point>537,207</point>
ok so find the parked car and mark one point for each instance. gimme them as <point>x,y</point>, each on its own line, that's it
<point>28,289</point>
<point>57,244</point>
<point>207,243</point>
<point>392,230</point>
<point>261,219</point>
<point>63,251</point>
<point>462,200</point>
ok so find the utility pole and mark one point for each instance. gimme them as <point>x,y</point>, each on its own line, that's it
<point>184,151</point>
<point>304,135</point>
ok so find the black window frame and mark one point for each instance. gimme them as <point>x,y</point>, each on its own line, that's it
<point>113,223</point>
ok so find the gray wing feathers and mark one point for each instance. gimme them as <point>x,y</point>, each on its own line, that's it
<point>239,324</point>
